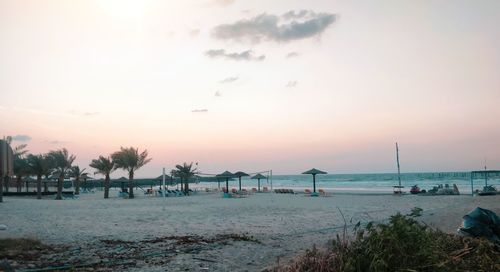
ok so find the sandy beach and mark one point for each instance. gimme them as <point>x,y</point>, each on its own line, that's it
<point>276,225</point>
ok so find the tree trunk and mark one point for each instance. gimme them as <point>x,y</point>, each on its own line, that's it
<point>46,184</point>
<point>27,185</point>
<point>60,181</point>
<point>6,180</point>
<point>2,180</point>
<point>186,187</point>
<point>19,183</point>
<point>39,186</point>
<point>77,186</point>
<point>106,186</point>
<point>131,184</point>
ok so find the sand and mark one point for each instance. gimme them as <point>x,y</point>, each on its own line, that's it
<point>285,225</point>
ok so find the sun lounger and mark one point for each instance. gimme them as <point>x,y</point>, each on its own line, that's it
<point>265,189</point>
<point>307,191</point>
<point>234,191</point>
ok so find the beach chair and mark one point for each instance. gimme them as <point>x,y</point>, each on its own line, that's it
<point>254,190</point>
<point>265,189</point>
<point>322,192</point>
<point>234,191</point>
<point>307,191</point>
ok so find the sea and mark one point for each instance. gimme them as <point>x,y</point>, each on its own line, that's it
<point>372,183</point>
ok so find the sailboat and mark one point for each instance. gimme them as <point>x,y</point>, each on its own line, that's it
<point>397,189</point>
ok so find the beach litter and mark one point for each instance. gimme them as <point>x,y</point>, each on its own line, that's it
<point>481,223</point>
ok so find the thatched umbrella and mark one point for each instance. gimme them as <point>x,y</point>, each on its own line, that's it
<point>240,174</point>
<point>314,172</point>
<point>258,177</point>
<point>227,175</point>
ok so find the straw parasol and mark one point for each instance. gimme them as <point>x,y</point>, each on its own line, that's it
<point>314,172</point>
<point>227,175</point>
<point>258,177</point>
<point>240,174</point>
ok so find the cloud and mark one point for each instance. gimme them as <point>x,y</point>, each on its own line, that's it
<point>300,25</point>
<point>21,138</point>
<point>291,84</point>
<point>218,94</point>
<point>245,55</point>
<point>77,113</point>
<point>298,15</point>
<point>292,55</point>
<point>56,142</point>
<point>199,110</point>
<point>90,113</point>
<point>222,2</point>
<point>228,80</point>
<point>194,32</point>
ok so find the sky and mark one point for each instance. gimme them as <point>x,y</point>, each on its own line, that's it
<point>256,85</point>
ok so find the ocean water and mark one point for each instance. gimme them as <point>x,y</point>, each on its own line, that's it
<point>382,183</point>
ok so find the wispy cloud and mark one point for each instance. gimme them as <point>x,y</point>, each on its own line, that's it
<point>292,55</point>
<point>56,142</point>
<point>297,25</point>
<point>194,32</point>
<point>247,55</point>
<point>291,84</point>
<point>222,2</point>
<point>77,113</point>
<point>21,138</point>
<point>228,80</point>
<point>199,110</point>
<point>218,94</point>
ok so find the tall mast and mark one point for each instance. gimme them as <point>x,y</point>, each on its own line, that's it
<point>397,159</point>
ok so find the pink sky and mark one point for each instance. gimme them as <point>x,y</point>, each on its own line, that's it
<point>96,75</point>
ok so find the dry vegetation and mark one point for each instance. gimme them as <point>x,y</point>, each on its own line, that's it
<point>401,245</point>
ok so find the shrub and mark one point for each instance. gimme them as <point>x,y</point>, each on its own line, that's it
<point>401,245</point>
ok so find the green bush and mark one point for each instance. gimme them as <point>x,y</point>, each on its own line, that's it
<point>401,245</point>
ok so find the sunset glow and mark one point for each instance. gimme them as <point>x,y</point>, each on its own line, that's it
<point>223,84</point>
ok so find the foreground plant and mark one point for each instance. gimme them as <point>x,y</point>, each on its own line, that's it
<point>401,245</point>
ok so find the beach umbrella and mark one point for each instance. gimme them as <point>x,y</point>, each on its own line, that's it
<point>314,172</point>
<point>240,174</point>
<point>226,175</point>
<point>258,177</point>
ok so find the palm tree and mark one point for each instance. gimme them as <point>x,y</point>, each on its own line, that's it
<point>20,150</point>
<point>77,173</point>
<point>185,172</point>
<point>21,169</point>
<point>20,164</point>
<point>51,165</point>
<point>39,165</point>
<point>130,160</point>
<point>62,164</point>
<point>104,166</point>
